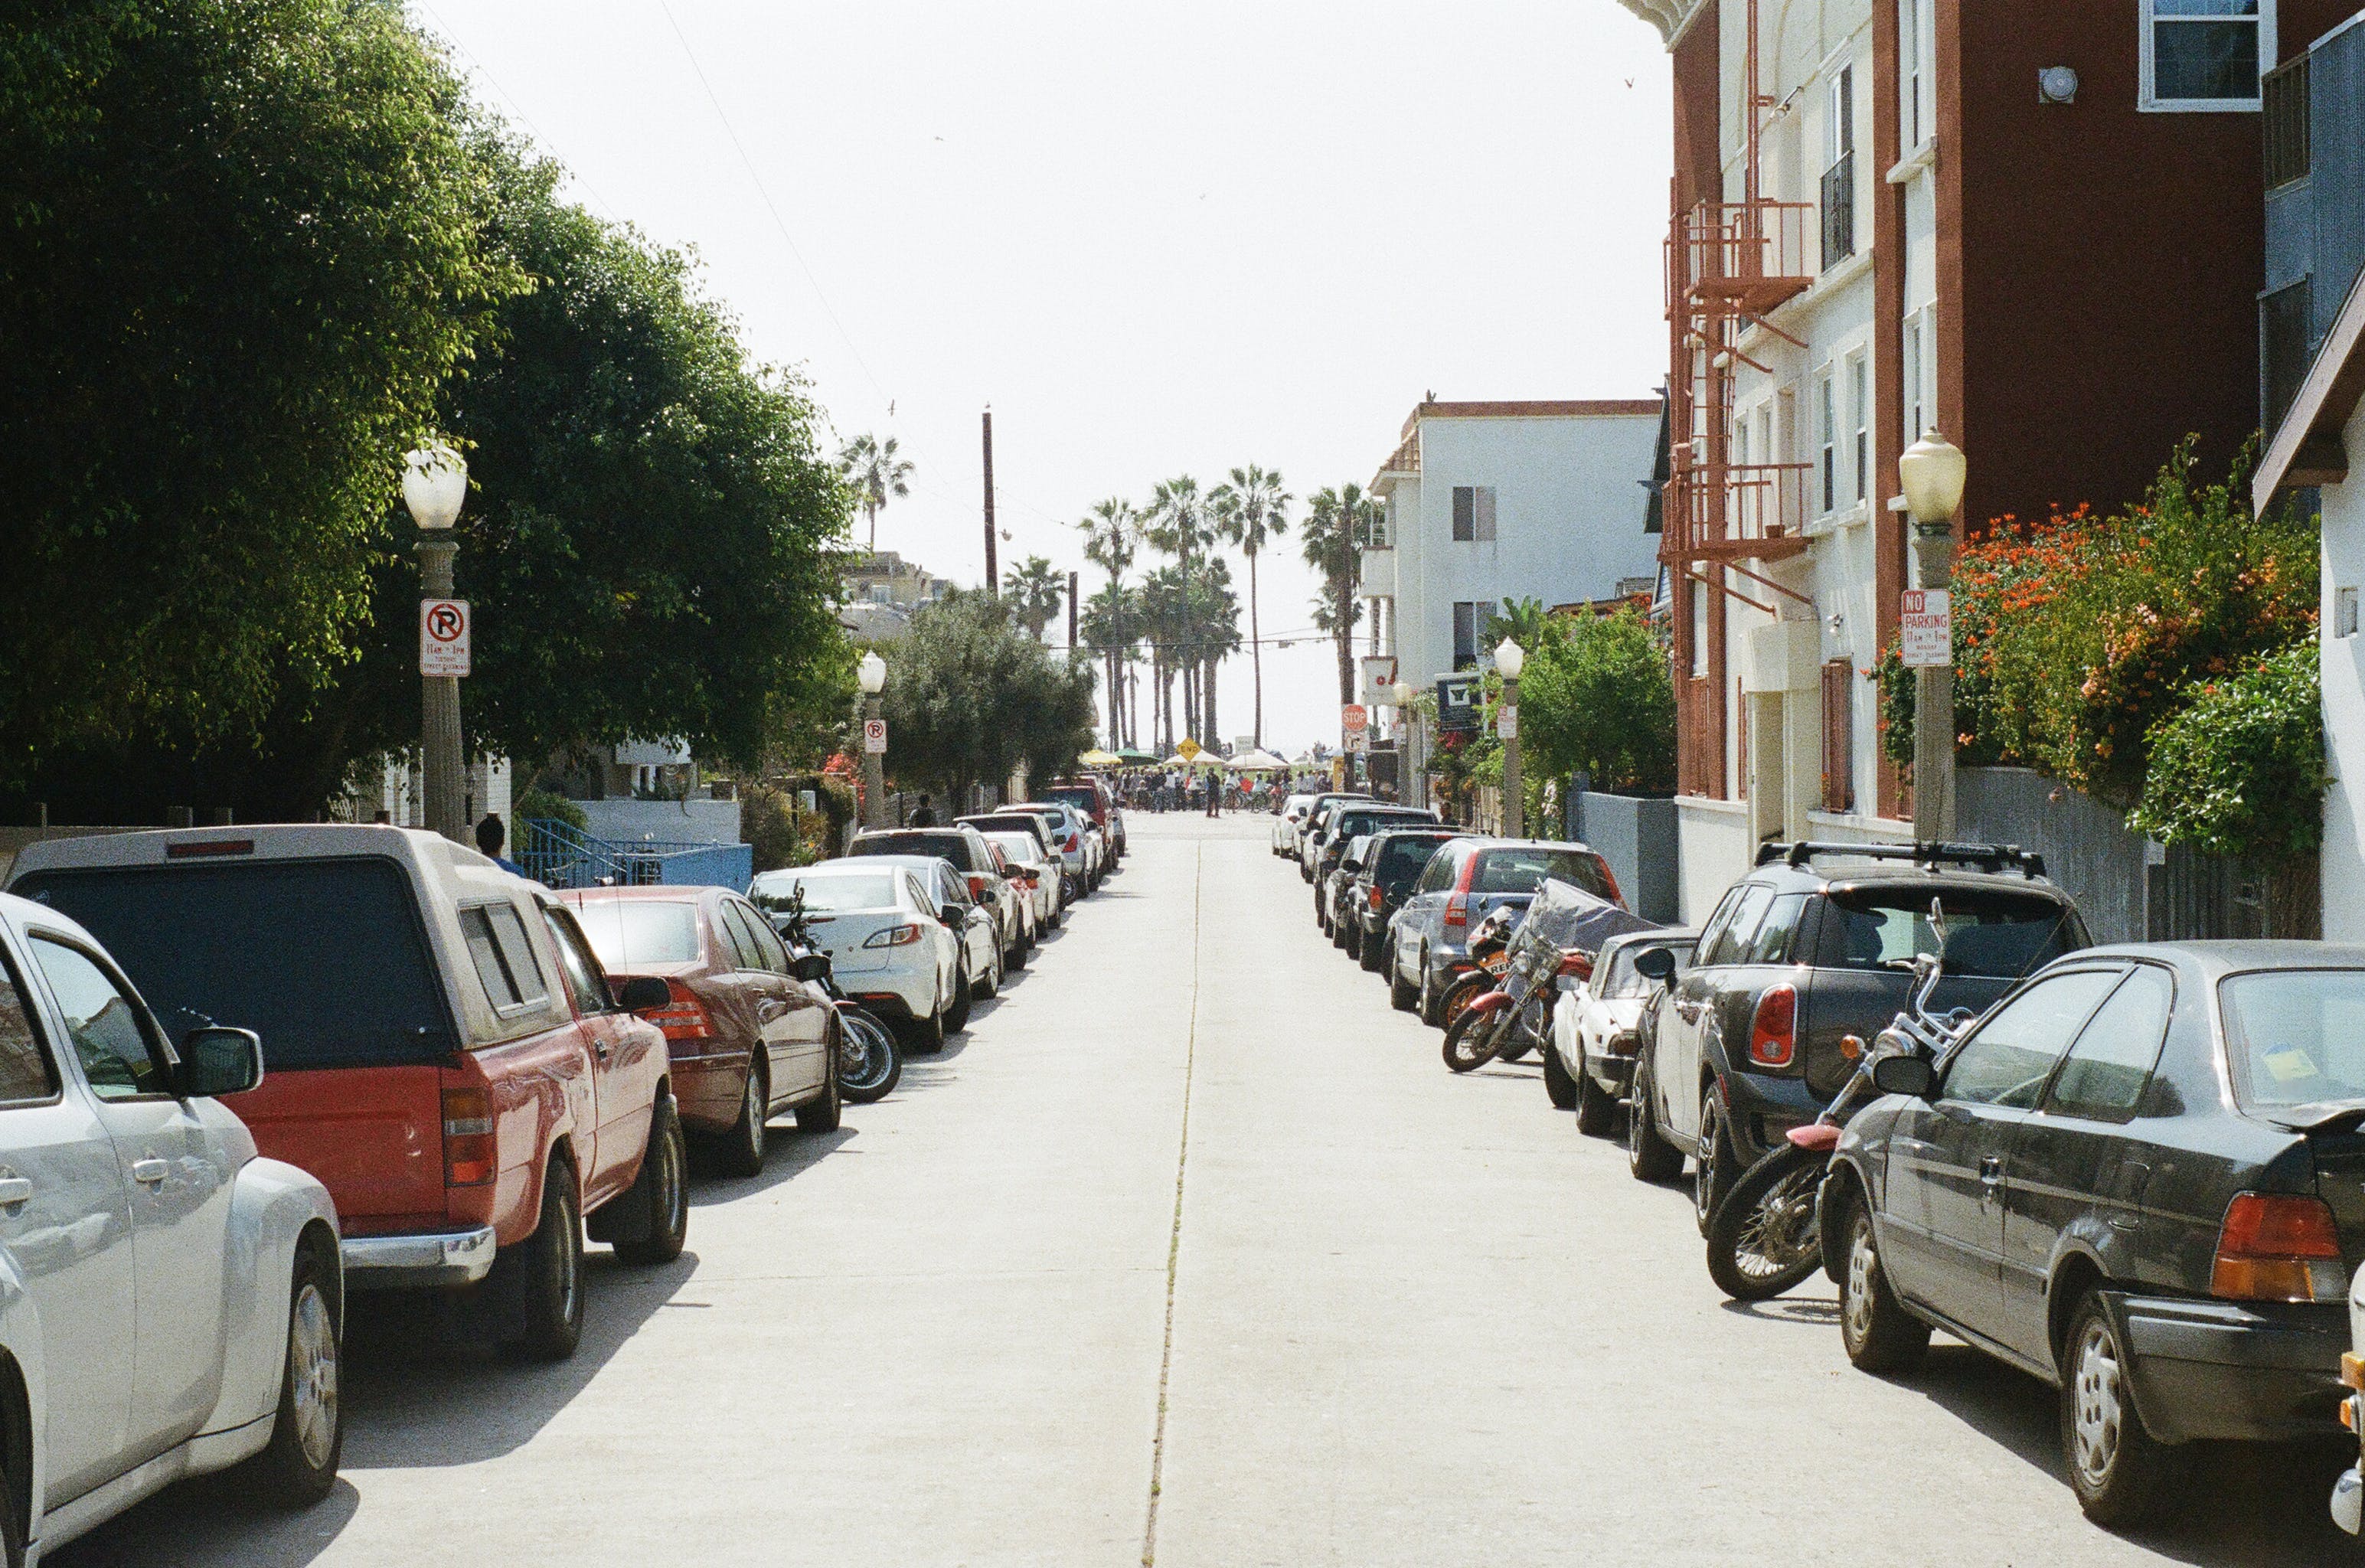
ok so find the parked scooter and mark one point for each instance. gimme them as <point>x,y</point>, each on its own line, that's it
<point>1558,937</point>
<point>1765,1235</point>
<point>869,1061</point>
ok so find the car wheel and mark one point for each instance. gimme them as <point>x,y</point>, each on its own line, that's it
<point>823,1113</point>
<point>1718,1163</point>
<point>661,1192</point>
<point>549,1264</point>
<point>308,1436</point>
<point>1370,951</point>
<point>991,981</point>
<point>1876,1332</point>
<point>955,1014</point>
<point>1352,939</point>
<point>1559,1087</point>
<point>1016,958</point>
<point>1432,1005</point>
<point>1403,995</point>
<point>742,1153</point>
<point>1596,1109</point>
<point>927,1035</point>
<point>1650,1157</point>
<point>2120,1471</point>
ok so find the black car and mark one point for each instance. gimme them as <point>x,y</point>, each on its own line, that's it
<point>1391,862</point>
<point>2137,1178</point>
<point>1815,945</point>
<point>1352,821</point>
<point>1318,817</point>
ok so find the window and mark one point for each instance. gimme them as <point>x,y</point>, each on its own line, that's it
<point>504,962</point>
<point>1474,513</point>
<point>1729,944</point>
<point>1994,935</point>
<point>769,950</point>
<point>1520,870</point>
<point>1860,421</point>
<point>2284,98</point>
<point>738,940</point>
<point>577,969</point>
<point>25,1070</point>
<point>1777,934</point>
<point>1916,36</point>
<point>1712,934</point>
<point>2107,1069</point>
<point>1914,351</point>
<point>1465,632</point>
<point>1698,592</point>
<point>2344,612</point>
<point>2296,1035</point>
<point>110,1034</point>
<point>1839,170</point>
<point>1439,874</point>
<point>2007,1061</point>
<point>1827,442</point>
<point>2205,54</point>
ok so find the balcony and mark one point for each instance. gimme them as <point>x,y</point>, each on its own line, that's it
<point>1738,511</point>
<point>1375,576</point>
<point>1839,211</point>
<point>1746,256</point>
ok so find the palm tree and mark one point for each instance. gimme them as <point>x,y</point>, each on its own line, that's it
<point>1177,521</point>
<point>1336,526</point>
<point>875,475</point>
<point>1162,620</point>
<point>1107,626</point>
<point>1112,531</point>
<point>1214,634</point>
<point>1034,592</point>
<point>1251,509</point>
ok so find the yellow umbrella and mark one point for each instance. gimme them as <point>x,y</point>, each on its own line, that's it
<point>1100,759</point>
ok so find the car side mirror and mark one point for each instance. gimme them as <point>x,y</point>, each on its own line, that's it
<point>810,967</point>
<point>1905,1075</point>
<point>951,916</point>
<point>641,994</point>
<point>1655,964</point>
<point>215,1060</point>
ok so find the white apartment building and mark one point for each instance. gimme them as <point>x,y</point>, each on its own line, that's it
<point>1488,501</point>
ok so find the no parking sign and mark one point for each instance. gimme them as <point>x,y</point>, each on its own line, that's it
<point>443,636</point>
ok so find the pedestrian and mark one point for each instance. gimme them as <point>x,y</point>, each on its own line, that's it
<point>923,814</point>
<point>1214,795</point>
<point>491,836</point>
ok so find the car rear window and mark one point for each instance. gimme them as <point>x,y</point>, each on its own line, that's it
<point>1989,935</point>
<point>952,847</point>
<point>1082,799</point>
<point>1404,856</point>
<point>629,933</point>
<point>830,894</point>
<point>1020,846</point>
<point>324,960</point>
<point>2296,1036</point>
<point>1517,870</point>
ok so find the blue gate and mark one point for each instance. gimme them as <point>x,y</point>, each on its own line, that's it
<point>560,856</point>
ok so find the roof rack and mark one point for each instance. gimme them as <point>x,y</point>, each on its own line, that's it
<point>1997,858</point>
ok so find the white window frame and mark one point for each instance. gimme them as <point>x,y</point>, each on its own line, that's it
<point>2147,16</point>
<point>1859,415</point>
<point>1827,442</point>
<point>1916,373</point>
<point>1916,39</point>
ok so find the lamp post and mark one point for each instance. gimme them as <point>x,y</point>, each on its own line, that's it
<point>1511,659</point>
<point>435,484</point>
<point>872,675</point>
<point>1931,472</point>
<point>1416,771</point>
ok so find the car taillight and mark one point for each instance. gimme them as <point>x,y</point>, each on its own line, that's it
<point>1610,877</point>
<point>1457,910</point>
<point>894,936</point>
<point>2277,1247</point>
<point>1379,899</point>
<point>1075,841</point>
<point>1578,962</point>
<point>976,885</point>
<point>469,1157</point>
<point>1773,1036</point>
<point>683,1017</point>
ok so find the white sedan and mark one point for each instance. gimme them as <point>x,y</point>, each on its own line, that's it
<point>172,1303</point>
<point>1026,854</point>
<point>1285,824</point>
<point>887,945</point>
<point>1589,1062</point>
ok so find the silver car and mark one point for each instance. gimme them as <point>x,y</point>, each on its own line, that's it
<point>173,1301</point>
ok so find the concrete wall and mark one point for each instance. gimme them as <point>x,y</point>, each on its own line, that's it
<point>1714,850</point>
<point>1637,838</point>
<point>2344,706</point>
<point>675,822</point>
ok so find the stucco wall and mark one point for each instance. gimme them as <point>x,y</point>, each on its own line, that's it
<point>2344,707</point>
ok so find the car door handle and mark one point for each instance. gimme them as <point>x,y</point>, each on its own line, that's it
<point>15,1189</point>
<point>150,1171</point>
<point>1990,1170</point>
<point>601,1050</point>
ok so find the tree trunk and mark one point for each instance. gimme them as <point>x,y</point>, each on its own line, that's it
<point>1207,705</point>
<point>1342,610</point>
<point>1256,662</point>
<point>872,508</point>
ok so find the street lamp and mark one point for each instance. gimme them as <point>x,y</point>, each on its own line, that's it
<point>871,673</point>
<point>1511,659</point>
<point>1416,774</point>
<point>434,485</point>
<point>1931,472</point>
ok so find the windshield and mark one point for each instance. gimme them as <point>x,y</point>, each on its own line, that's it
<point>324,960</point>
<point>949,847</point>
<point>1519,870</point>
<point>1626,983</point>
<point>1989,935</point>
<point>2294,1036</point>
<point>629,933</point>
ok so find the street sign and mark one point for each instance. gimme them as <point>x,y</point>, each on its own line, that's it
<point>443,636</point>
<point>1507,723</point>
<point>1359,740</point>
<point>1375,685</point>
<point>1354,718</point>
<point>1190,749</point>
<point>1926,628</point>
<point>874,737</point>
<point>1457,702</point>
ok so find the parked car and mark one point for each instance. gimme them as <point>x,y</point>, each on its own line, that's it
<point>1022,898</point>
<point>979,926</point>
<point>173,1303</point>
<point>1465,880</point>
<point>1036,823</point>
<point>2137,1178</point>
<point>1285,823</point>
<point>1317,819</point>
<point>1352,821</point>
<point>965,849</point>
<point>1815,945</point>
<point>1091,796</point>
<point>411,995</point>
<point>1392,862</point>
<point>1596,1028</point>
<point>1039,871</point>
<point>1072,835</point>
<point>880,924</point>
<point>748,1039</point>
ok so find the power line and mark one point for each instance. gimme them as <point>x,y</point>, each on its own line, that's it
<point>758,180</point>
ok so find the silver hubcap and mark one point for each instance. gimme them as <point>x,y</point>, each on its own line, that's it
<point>1861,1262</point>
<point>2096,1409</point>
<point>756,1111</point>
<point>312,1370</point>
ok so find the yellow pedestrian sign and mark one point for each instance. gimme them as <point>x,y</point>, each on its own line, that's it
<point>1190,749</point>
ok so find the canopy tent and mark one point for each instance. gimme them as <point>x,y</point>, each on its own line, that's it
<point>1100,759</point>
<point>1256,762</point>
<point>1132,759</point>
<point>1205,759</point>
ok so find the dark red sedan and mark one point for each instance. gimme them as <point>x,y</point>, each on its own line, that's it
<point>731,986</point>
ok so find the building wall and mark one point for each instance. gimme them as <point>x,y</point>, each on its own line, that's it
<point>2344,706</point>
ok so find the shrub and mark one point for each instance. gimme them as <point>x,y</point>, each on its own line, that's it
<point>542,803</point>
<point>2240,770</point>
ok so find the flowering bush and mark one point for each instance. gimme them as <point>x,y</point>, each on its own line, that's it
<point>2240,770</point>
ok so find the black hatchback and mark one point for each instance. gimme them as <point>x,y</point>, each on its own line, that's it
<point>1393,859</point>
<point>2138,1179</point>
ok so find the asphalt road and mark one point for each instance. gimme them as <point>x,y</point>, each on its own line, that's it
<point>1191,1250</point>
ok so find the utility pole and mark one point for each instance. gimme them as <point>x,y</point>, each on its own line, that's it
<point>992,577</point>
<point>1071,612</point>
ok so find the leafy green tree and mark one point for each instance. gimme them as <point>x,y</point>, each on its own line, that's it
<point>970,696</point>
<point>2240,770</point>
<point>1251,511</point>
<point>1596,699</point>
<point>1112,532</point>
<point>246,250</point>
<point>1036,593</point>
<point>877,475</point>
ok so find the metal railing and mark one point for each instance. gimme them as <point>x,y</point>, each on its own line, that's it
<point>560,856</point>
<point>1748,255</point>
<point>1839,211</point>
<point>1736,511</point>
<point>2283,119</point>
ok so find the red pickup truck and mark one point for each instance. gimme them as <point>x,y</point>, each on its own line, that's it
<point>441,1047</point>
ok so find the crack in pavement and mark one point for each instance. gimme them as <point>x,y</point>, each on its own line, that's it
<point>1174,1236</point>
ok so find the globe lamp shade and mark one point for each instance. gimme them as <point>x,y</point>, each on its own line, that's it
<point>435,484</point>
<point>872,674</point>
<point>1511,659</point>
<point>1931,472</point>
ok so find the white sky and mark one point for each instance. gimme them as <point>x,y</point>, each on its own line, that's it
<point>1157,239</point>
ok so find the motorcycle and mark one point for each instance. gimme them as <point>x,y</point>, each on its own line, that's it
<point>869,1060</point>
<point>1490,955</point>
<point>1765,1235</point>
<point>1559,936</point>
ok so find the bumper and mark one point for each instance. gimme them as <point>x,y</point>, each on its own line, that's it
<point>410,1262</point>
<point>1760,1107</point>
<point>2218,1369</point>
<point>2348,1500</point>
<point>905,993</point>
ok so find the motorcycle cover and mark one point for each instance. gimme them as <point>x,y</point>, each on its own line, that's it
<point>1566,916</point>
